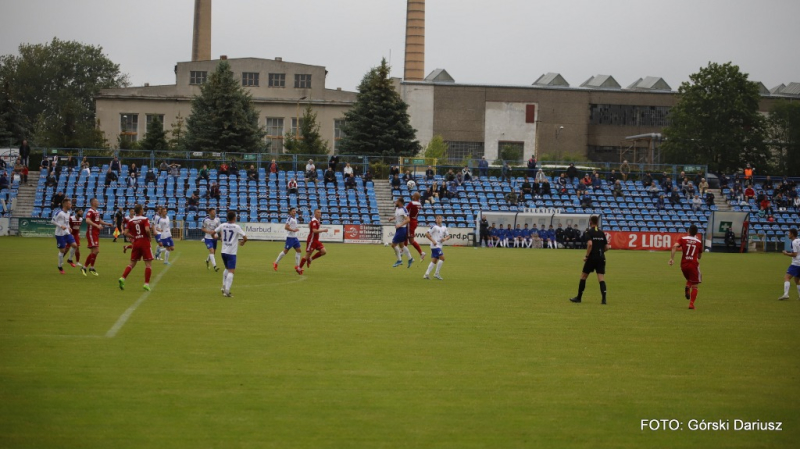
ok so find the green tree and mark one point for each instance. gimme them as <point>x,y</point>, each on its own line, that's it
<point>223,117</point>
<point>784,136</point>
<point>54,86</point>
<point>716,121</point>
<point>156,137</point>
<point>12,128</point>
<point>177,135</point>
<point>378,123</point>
<point>436,151</point>
<point>509,153</point>
<point>308,140</point>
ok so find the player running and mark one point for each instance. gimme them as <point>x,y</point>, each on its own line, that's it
<point>94,223</point>
<point>401,221</point>
<point>413,207</point>
<point>229,233</point>
<point>437,235</point>
<point>75,228</point>
<point>312,242</point>
<point>165,225</point>
<point>210,223</point>
<point>138,231</point>
<point>291,242</point>
<point>64,239</point>
<point>692,249</point>
<point>794,268</point>
<point>157,230</point>
<point>125,221</point>
<point>595,258</point>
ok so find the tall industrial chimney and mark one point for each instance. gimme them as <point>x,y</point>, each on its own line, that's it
<point>201,38</point>
<point>415,41</point>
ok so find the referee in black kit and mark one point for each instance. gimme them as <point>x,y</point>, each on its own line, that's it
<point>595,259</point>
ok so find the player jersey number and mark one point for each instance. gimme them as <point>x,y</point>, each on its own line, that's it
<point>227,236</point>
<point>138,229</point>
<point>691,250</point>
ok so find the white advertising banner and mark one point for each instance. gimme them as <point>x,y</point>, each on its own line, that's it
<point>4,224</point>
<point>276,231</point>
<point>458,236</point>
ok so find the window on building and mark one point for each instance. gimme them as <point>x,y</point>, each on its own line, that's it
<point>513,152</point>
<point>277,80</point>
<point>338,134</point>
<point>150,117</point>
<point>457,151</point>
<point>626,115</point>
<point>302,81</point>
<point>295,130</point>
<point>274,128</point>
<point>129,127</point>
<point>250,79</point>
<point>198,77</point>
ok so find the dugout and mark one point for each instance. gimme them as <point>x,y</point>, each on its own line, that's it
<point>718,225</point>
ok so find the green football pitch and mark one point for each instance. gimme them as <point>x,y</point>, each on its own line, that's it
<point>358,354</point>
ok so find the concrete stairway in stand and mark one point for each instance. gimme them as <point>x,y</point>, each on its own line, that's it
<point>383,194</point>
<point>25,196</point>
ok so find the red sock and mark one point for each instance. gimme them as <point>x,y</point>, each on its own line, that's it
<point>129,247</point>
<point>316,256</point>
<point>94,259</point>
<point>694,296</point>
<point>416,246</point>
<point>302,262</point>
<point>88,261</point>
<point>147,275</point>
<point>127,272</point>
<point>77,255</point>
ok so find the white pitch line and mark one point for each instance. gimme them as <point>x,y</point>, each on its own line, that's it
<point>127,314</point>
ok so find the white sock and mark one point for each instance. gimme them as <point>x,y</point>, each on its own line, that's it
<point>439,266</point>
<point>397,251</point>
<point>224,277</point>
<point>430,267</point>
<point>61,262</point>
<point>166,256</point>
<point>798,289</point>
<point>786,286</point>
<point>71,253</point>
<point>229,282</point>
<point>158,251</point>
<point>280,256</point>
<point>407,252</point>
<point>297,258</point>
<point>213,260</point>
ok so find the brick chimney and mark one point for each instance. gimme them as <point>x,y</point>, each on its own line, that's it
<point>201,37</point>
<point>415,41</point>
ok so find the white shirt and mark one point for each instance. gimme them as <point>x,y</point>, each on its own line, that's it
<point>796,250</point>
<point>165,226</point>
<point>310,167</point>
<point>438,233</point>
<point>292,222</point>
<point>61,219</point>
<point>210,224</point>
<point>229,234</point>
<point>400,214</point>
<point>156,221</point>
<point>348,170</point>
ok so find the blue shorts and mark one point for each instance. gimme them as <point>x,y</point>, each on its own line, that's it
<point>62,241</point>
<point>400,235</point>
<point>158,238</point>
<point>436,253</point>
<point>167,242</point>
<point>229,260</point>
<point>211,244</point>
<point>292,242</point>
<point>794,271</point>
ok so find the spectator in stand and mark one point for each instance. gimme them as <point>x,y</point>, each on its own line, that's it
<point>347,170</point>
<point>618,190</point>
<point>203,173</point>
<point>780,201</point>
<point>702,187</point>
<point>466,173</point>
<point>572,173</point>
<point>45,164</point>
<point>586,201</point>
<point>164,166</point>
<point>452,190</point>
<point>24,174</point>
<point>450,177</point>
<point>738,192</point>
<point>580,189</point>
<point>366,179</point>
<point>3,164</point>
<point>647,179</point>
<point>483,167</point>
<point>252,173</point>
<point>506,171</point>
<point>526,190</point>
<point>395,170</point>
<point>586,181</point>
<point>18,167</point>
<point>690,191</point>
<point>748,174</point>
<point>411,184</point>
<point>71,163</point>
<point>532,167</point>
<point>333,162</point>
<point>133,169</point>
<point>540,177</point>
<point>429,195</point>
<point>115,165</point>
<point>234,167</point>
<point>684,184</point>
<point>311,172</point>
<point>546,187</point>
<point>395,182</point>
<point>330,177</point>
<point>192,202</point>
<point>459,178</point>
<point>796,202</point>
<point>223,168</point>
<point>675,197</point>
<point>749,192</point>
<point>350,182</point>
<point>25,152</point>
<point>291,186</point>
<point>660,203</point>
<point>429,174</point>
<point>511,198</point>
<point>57,199</point>
<point>697,203</point>
<point>406,176</point>
<point>213,191</point>
<point>625,170</point>
<point>612,178</point>
<point>131,180</point>
<point>667,184</point>
<point>596,182</point>
<point>765,206</point>
<point>562,181</point>
<point>4,184</point>
<point>709,199</point>
<point>723,181</point>
<point>150,177</point>
<point>174,169</point>
<point>111,176</point>
<point>442,191</point>
<point>273,167</point>
<point>767,185</point>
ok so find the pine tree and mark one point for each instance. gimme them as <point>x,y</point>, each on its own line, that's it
<point>308,140</point>
<point>436,151</point>
<point>378,123</point>
<point>223,117</point>
<point>177,134</point>
<point>156,137</point>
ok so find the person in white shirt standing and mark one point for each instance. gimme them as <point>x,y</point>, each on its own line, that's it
<point>165,226</point>
<point>437,235</point>
<point>229,233</point>
<point>794,268</point>
<point>292,241</point>
<point>157,230</point>
<point>64,239</point>
<point>210,223</point>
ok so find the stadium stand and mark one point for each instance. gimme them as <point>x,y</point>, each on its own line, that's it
<point>768,224</point>
<point>8,195</point>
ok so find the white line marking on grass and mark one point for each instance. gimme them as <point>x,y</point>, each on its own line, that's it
<point>127,314</point>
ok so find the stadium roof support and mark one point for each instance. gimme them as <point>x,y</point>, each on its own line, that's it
<point>440,76</point>
<point>551,79</point>
<point>601,82</point>
<point>650,83</point>
<point>648,156</point>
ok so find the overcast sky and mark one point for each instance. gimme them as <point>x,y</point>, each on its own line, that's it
<point>488,41</point>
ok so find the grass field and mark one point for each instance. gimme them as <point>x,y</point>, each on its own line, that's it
<point>356,354</point>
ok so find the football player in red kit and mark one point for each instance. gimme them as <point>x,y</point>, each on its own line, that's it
<point>94,223</point>
<point>138,231</point>
<point>692,249</point>
<point>312,242</point>
<point>413,208</point>
<point>75,228</point>
<point>125,222</point>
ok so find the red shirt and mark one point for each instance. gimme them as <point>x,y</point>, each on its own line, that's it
<point>692,248</point>
<point>313,237</point>
<point>75,224</point>
<point>93,215</point>
<point>413,210</point>
<point>136,228</point>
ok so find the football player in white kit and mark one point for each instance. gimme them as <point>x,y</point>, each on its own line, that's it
<point>291,242</point>
<point>437,235</point>
<point>229,233</point>
<point>64,239</point>
<point>794,268</point>
<point>210,223</point>
<point>165,225</point>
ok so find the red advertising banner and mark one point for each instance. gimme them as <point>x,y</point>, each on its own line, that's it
<point>647,241</point>
<point>363,233</point>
